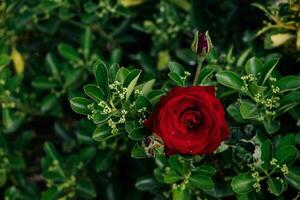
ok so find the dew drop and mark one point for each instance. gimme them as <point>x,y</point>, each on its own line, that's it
<point>189,141</point>
<point>173,133</point>
<point>191,151</point>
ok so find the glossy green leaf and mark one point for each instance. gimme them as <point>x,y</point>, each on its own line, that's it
<point>137,134</point>
<point>103,133</point>
<point>206,170</point>
<point>288,83</point>
<point>143,102</point>
<point>176,78</point>
<point>94,92</point>
<point>293,177</point>
<point>176,68</point>
<point>99,117</point>
<point>181,193</point>
<point>138,152</point>
<point>248,110</point>
<point>101,75</point>
<point>275,186</point>
<point>286,155</point>
<point>79,105</point>
<point>234,111</point>
<point>122,74</point>
<point>201,182</point>
<point>266,153</point>
<point>131,81</point>
<point>242,183</point>
<point>268,67</point>
<point>204,74</point>
<point>230,79</point>
<point>254,66</point>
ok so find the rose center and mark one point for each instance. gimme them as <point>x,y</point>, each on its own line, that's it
<point>192,119</point>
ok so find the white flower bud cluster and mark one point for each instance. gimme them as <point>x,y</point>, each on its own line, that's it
<point>113,126</point>
<point>119,89</point>
<point>186,75</point>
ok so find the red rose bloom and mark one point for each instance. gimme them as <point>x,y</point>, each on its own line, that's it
<point>189,120</point>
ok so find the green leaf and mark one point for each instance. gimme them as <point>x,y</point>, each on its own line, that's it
<point>7,118</point>
<point>138,152</point>
<point>79,105</point>
<point>48,102</point>
<point>176,164</point>
<point>122,74</point>
<point>147,87</point>
<point>99,117</point>
<point>4,60</point>
<point>86,154</point>
<point>293,177</point>
<point>101,75</point>
<point>242,183</point>
<point>50,151</point>
<point>176,78</point>
<point>201,182</point>
<point>275,186</point>
<point>254,66</point>
<point>113,70</point>
<point>181,193</point>
<point>86,189</point>
<point>68,52</point>
<point>86,41</point>
<point>143,102</point>
<point>286,155</point>
<point>131,81</point>
<point>51,63</point>
<point>43,83</point>
<point>50,194</point>
<point>146,183</point>
<point>234,111</point>
<point>206,170</point>
<point>266,153</point>
<point>176,68</point>
<point>243,57</point>
<point>268,67</point>
<point>94,92</point>
<point>102,133</point>
<point>271,126</point>
<point>137,134</point>
<point>155,96</point>
<point>14,82</point>
<point>171,176</point>
<point>204,74</point>
<point>248,110</point>
<point>288,83</point>
<point>230,79</point>
<point>103,160</point>
<point>291,98</point>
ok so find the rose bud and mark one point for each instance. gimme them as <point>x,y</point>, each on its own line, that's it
<point>189,121</point>
<point>202,44</point>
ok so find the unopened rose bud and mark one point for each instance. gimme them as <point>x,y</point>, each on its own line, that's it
<point>202,44</point>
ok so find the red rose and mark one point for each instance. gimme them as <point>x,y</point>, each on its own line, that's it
<point>189,120</point>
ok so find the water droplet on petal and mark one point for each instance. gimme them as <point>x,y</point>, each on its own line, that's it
<point>191,151</point>
<point>173,133</point>
<point>189,141</point>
